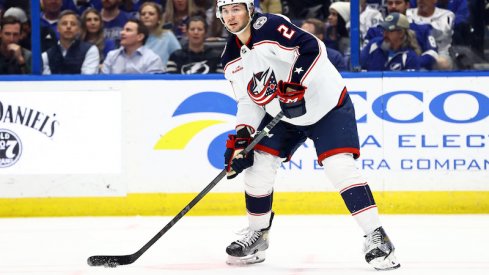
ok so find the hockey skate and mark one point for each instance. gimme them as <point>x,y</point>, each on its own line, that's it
<point>379,251</point>
<point>251,248</point>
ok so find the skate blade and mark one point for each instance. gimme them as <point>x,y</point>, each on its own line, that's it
<point>388,263</point>
<point>258,257</point>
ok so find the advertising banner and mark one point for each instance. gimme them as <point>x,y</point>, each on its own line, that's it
<point>424,133</point>
<point>113,137</point>
<point>59,139</point>
<point>414,135</point>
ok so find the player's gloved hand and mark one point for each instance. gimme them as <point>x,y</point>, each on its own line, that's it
<point>291,97</point>
<point>235,162</point>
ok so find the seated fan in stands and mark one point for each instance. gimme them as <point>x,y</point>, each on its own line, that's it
<point>195,57</point>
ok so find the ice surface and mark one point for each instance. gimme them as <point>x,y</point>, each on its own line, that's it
<point>317,244</point>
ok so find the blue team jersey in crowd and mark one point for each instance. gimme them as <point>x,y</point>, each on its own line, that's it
<point>426,41</point>
<point>112,29</point>
<point>459,7</point>
<point>373,58</point>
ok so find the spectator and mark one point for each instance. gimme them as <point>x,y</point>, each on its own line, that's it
<point>161,41</point>
<point>442,22</point>
<point>48,38</point>
<point>397,50</point>
<point>92,31</point>
<point>461,26</point>
<point>337,35</point>
<point>196,58</point>
<point>271,6</point>
<point>49,35</point>
<point>51,10</point>
<point>298,10</point>
<point>369,17</point>
<point>133,56</point>
<point>114,20</point>
<point>71,55</point>
<point>178,12</point>
<point>316,27</point>
<point>13,58</point>
<point>216,29</point>
<point>25,36</point>
<point>429,57</point>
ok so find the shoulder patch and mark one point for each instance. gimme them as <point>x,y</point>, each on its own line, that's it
<point>260,21</point>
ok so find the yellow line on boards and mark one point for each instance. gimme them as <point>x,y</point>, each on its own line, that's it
<point>300,203</point>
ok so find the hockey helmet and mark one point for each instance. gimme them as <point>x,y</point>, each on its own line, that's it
<point>220,3</point>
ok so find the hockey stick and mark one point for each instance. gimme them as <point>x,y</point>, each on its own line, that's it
<point>114,261</point>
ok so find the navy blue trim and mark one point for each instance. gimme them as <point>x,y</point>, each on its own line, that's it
<point>358,198</point>
<point>258,205</point>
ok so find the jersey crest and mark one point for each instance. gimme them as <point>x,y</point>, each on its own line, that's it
<point>262,86</point>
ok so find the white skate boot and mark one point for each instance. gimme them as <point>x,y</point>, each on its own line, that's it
<point>379,251</point>
<point>251,248</point>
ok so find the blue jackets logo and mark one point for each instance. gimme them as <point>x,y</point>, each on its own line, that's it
<point>261,87</point>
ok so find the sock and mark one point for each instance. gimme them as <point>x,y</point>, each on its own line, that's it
<point>361,204</point>
<point>259,210</point>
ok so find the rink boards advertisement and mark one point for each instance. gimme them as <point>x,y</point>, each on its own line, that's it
<point>58,139</point>
<point>115,138</point>
<point>419,137</point>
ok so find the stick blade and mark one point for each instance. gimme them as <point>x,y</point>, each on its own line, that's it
<point>110,261</point>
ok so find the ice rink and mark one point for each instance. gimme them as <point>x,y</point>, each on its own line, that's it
<point>326,244</point>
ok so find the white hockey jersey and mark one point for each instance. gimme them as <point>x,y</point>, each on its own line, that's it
<point>369,18</point>
<point>442,21</point>
<point>279,50</point>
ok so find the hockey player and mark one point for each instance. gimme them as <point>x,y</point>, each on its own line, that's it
<point>275,66</point>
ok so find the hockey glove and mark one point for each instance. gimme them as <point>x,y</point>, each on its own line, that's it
<point>291,97</point>
<point>235,162</point>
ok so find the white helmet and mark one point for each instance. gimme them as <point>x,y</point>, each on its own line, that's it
<point>249,6</point>
<point>220,3</point>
